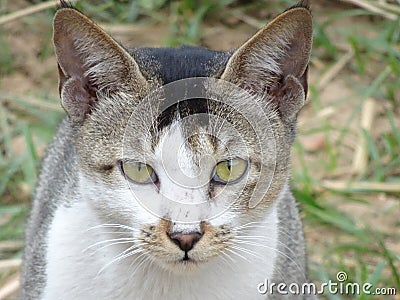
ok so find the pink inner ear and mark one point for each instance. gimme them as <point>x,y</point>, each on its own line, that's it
<point>69,59</point>
<point>77,98</point>
<point>296,60</point>
<point>289,97</point>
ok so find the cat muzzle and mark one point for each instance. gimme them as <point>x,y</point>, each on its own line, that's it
<point>185,241</point>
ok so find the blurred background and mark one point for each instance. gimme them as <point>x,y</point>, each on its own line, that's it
<point>346,160</point>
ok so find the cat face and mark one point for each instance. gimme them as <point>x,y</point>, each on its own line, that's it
<point>183,173</point>
<point>181,169</point>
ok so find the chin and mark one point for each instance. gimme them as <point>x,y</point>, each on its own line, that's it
<point>183,266</point>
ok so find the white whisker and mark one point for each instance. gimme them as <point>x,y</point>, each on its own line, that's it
<point>234,252</point>
<point>248,251</point>
<point>122,240</point>
<point>133,247</point>
<point>114,226</point>
<point>119,258</point>
<point>144,259</point>
<point>263,239</point>
<point>272,248</point>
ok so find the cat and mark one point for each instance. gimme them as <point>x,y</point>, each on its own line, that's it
<point>169,176</point>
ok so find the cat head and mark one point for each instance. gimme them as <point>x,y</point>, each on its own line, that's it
<point>182,165</point>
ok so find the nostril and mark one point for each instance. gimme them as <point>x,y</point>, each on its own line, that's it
<point>185,241</point>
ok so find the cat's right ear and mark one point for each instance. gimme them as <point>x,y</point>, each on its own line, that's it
<point>273,63</point>
<point>90,63</point>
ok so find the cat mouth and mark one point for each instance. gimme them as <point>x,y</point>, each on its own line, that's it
<point>182,266</point>
<point>186,265</point>
<point>186,257</point>
<point>186,261</point>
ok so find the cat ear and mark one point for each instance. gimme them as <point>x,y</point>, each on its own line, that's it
<point>90,62</point>
<point>273,63</point>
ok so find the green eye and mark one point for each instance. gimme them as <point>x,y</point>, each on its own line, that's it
<point>230,171</point>
<point>139,172</point>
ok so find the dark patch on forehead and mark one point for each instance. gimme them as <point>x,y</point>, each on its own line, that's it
<point>198,113</point>
<point>171,64</point>
<point>166,65</point>
<point>183,109</point>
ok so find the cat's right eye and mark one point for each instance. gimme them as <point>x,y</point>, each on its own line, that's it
<point>138,172</point>
<point>230,171</point>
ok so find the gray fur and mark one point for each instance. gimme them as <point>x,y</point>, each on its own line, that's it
<point>57,179</point>
<point>293,246</point>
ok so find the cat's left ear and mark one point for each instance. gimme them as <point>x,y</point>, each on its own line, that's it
<point>90,64</point>
<point>273,63</point>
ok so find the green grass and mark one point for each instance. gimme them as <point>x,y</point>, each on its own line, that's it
<point>356,246</point>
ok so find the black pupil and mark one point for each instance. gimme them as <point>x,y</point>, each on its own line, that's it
<point>229,164</point>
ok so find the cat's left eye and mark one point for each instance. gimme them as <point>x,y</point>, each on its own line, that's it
<point>139,172</point>
<point>230,171</point>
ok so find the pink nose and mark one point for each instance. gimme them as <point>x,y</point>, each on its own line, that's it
<point>185,241</point>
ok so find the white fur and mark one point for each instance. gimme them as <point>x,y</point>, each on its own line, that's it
<point>74,273</point>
